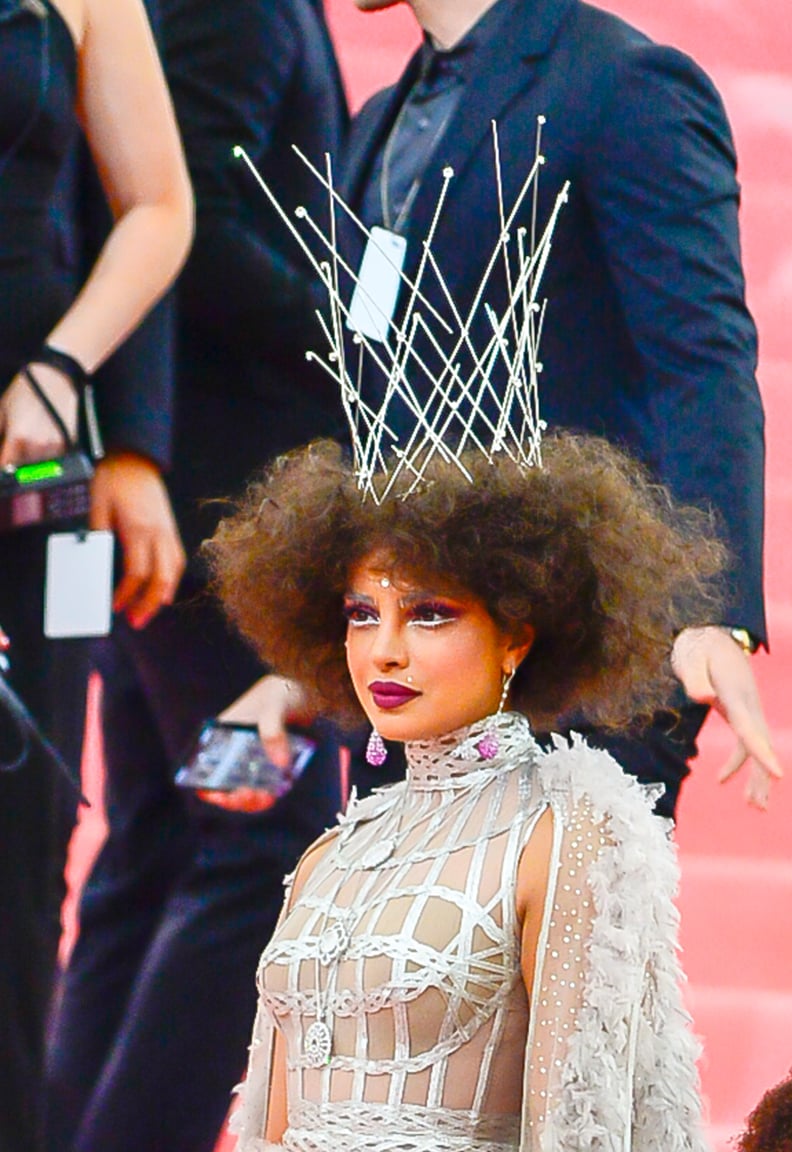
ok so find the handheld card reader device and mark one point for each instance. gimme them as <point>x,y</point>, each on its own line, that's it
<point>45,492</point>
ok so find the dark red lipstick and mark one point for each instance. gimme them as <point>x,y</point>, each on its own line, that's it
<point>389,694</point>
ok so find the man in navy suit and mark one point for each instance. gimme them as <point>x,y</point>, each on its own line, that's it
<point>152,1028</point>
<point>647,339</point>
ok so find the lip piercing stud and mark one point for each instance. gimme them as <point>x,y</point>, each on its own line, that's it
<point>385,582</point>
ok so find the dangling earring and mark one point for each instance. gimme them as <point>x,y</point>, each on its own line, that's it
<point>376,752</point>
<point>489,745</point>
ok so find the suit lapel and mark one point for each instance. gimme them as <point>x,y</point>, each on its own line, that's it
<point>505,68</point>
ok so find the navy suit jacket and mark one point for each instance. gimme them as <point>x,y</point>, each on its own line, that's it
<point>647,339</point>
<point>262,74</point>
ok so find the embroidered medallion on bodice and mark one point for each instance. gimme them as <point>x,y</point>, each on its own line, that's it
<point>395,975</point>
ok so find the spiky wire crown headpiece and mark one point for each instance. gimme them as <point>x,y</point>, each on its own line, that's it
<point>460,409</point>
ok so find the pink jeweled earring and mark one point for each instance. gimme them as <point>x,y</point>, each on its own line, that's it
<point>376,752</point>
<point>489,745</point>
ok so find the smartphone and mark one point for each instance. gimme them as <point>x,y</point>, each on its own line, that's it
<point>228,756</point>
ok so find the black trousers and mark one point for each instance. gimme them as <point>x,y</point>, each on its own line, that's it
<point>155,1012</point>
<point>37,808</point>
<point>659,753</point>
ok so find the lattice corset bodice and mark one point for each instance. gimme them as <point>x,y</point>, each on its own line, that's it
<point>405,942</point>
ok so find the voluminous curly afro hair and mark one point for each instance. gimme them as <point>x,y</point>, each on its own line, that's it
<point>584,549</point>
<point>770,1124</point>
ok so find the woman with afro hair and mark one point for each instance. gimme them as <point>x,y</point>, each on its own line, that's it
<point>482,957</point>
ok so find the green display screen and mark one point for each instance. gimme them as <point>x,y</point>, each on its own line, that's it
<point>44,470</point>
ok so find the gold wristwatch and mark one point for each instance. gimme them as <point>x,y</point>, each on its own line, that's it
<point>744,638</point>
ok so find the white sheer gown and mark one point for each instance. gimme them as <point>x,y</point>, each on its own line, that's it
<point>404,946</point>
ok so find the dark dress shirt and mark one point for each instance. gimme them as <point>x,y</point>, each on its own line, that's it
<point>400,164</point>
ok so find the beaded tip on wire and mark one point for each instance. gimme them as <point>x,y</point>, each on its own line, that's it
<point>457,406</point>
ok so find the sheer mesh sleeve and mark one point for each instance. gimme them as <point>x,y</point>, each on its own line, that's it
<point>248,1121</point>
<point>610,1062</point>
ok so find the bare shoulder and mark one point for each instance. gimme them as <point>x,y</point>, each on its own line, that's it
<point>116,20</point>
<point>73,15</point>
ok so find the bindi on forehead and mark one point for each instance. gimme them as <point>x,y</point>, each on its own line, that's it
<point>382,575</point>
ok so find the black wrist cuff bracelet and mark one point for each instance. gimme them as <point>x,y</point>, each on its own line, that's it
<point>50,408</point>
<point>88,429</point>
<point>64,363</point>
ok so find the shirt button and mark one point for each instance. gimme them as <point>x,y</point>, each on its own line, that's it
<point>423,123</point>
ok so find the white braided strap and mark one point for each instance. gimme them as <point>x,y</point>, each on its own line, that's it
<point>358,1127</point>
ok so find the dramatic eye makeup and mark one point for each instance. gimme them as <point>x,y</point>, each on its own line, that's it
<point>431,612</point>
<point>419,610</point>
<point>358,612</point>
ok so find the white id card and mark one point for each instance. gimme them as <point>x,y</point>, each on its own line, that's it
<point>377,290</point>
<point>78,596</point>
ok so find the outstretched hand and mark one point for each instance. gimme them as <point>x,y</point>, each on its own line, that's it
<point>129,498</point>
<point>269,704</point>
<point>714,670</point>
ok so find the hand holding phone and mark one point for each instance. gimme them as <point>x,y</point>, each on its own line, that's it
<point>227,765</point>
<point>272,703</point>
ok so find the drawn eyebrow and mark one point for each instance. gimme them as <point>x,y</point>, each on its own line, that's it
<point>406,601</point>
<point>431,597</point>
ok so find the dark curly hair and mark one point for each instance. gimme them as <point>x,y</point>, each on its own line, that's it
<point>770,1124</point>
<point>585,549</point>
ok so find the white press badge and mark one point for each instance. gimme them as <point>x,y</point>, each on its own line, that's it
<point>78,596</point>
<point>377,288</point>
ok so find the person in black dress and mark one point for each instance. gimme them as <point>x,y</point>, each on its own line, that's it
<point>58,62</point>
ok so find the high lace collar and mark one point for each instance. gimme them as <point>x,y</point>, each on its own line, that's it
<point>455,760</point>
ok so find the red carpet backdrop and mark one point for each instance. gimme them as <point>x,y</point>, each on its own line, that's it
<point>737,863</point>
